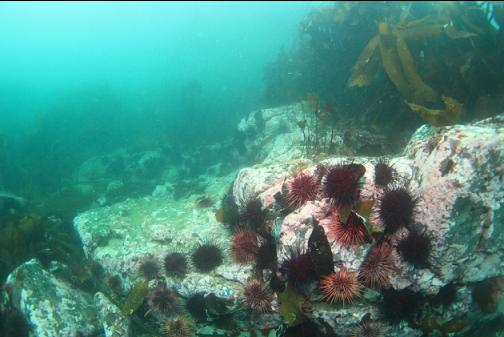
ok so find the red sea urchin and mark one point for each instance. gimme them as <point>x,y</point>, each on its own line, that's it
<point>351,233</point>
<point>340,286</point>
<point>301,189</point>
<point>257,297</point>
<point>244,246</point>
<point>396,209</point>
<point>377,267</point>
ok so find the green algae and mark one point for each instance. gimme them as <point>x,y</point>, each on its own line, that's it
<point>135,298</point>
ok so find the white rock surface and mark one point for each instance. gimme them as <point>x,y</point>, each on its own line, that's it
<point>53,307</point>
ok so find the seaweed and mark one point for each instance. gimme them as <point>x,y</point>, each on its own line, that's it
<point>135,298</point>
<point>399,64</point>
<point>290,307</point>
<point>439,117</point>
<point>320,252</point>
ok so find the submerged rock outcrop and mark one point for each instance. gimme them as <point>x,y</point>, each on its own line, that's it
<point>454,174</point>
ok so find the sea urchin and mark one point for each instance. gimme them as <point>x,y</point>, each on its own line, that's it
<point>384,174</point>
<point>244,246</point>
<point>377,267</point>
<point>299,269</point>
<point>340,286</point>
<point>257,297</point>
<point>149,268</point>
<point>415,249</point>
<point>351,233</point>
<point>396,209</point>
<point>175,264</point>
<point>163,299</point>
<point>177,327</point>
<point>342,184</point>
<point>207,257</point>
<point>302,188</point>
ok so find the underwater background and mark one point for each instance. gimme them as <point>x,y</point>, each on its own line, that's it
<point>251,169</point>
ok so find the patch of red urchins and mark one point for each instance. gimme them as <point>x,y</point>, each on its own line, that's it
<point>342,184</point>
<point>351,233</point>
<point>244,246</point>
<point>341,286</point>
<point>257,297</point>
<point>301,189</point>
<point>377,267</point>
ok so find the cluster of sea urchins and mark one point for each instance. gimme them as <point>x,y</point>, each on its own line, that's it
<point>395,208</point>
<point>341,185</point>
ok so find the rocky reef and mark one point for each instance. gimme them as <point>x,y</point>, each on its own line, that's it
<point>442,262</point>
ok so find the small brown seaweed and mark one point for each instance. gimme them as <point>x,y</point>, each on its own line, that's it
<point>320,252</point>
<point>290,307</point>
<point>446,166</point>
<point>365,68</point>
<point>439,117</point>
<point>135,298</point>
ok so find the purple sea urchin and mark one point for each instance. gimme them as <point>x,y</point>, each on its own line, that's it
<point>301,189</point>
<point>342,184</point>
<point>396,209</point>
<point>298,268</point>
<point>384,174</point>
<point>195,305</point>
<point>162,299</point>
<point>207,257</point>
<point>253,215</point>
<point>175,264</point>
<point>415,249</point>
<point>149,268</point>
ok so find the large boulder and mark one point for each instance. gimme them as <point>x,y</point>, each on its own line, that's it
<point>455,172</point>
<point>52,306</point>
